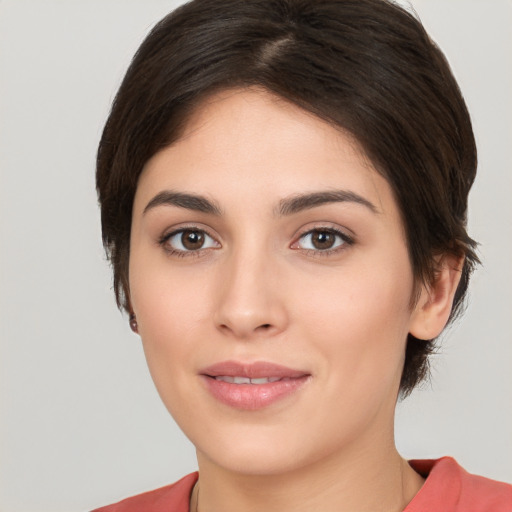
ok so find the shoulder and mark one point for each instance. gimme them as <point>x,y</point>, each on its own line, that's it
<point>450,488</point>
<point>176,495</point>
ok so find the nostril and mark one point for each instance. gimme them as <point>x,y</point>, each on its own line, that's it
<point>265,326</point>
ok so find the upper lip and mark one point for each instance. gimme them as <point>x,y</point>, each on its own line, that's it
<point>256,370</point>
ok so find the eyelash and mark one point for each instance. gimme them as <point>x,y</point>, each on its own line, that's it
<point>181,253</point>
<point>346,241</point>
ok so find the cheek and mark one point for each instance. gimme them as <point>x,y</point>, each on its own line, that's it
<point>167,300</point>
<point>171,309</point>
<point>359,318</point>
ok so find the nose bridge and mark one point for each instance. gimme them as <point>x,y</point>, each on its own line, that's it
<point>249,302</point>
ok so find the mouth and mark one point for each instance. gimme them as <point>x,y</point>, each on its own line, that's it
<point>252,386</point>
<point>247,380</point>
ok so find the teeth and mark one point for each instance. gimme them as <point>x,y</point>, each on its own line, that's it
<point>225,379</point>
<point>246,380</point>
<point>263,380</point>
<point>241,380</point>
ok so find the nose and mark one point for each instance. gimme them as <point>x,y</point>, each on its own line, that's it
<point>250,302</point>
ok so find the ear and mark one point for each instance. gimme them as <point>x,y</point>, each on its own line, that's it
<point>434,306</point>
<point>132,317</point>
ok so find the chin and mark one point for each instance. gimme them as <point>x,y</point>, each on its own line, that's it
<point>257,450</point>
<point>255,461</point>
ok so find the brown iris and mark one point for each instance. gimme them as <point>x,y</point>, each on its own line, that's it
<point>323,239</point>
<point>192,240</point>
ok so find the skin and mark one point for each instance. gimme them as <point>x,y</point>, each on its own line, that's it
<point>260,290</point>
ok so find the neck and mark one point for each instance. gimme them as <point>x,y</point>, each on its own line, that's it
<point>367,482</point>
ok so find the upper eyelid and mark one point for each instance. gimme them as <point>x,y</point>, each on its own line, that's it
<point>187,227</point>
<point>335,228</point>
<point>323,228</point>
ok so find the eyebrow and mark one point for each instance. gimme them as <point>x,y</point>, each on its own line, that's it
<point>193,202</point>
<point>307,201</point>
<point>288,206</point>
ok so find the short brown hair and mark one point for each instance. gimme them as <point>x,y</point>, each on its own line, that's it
<point>367,66</point>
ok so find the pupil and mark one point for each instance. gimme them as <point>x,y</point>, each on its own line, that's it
<point>192,239</point>
<point>323,240</point>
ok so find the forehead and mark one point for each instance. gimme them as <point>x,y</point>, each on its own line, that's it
<point>231,116</point>
<point>250,142</point>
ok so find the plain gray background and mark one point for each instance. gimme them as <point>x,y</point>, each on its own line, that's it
<point>80,422</point>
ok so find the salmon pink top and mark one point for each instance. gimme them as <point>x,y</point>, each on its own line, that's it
<point>448,488</point>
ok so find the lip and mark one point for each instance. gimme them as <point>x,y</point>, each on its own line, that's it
<point>252,397</point>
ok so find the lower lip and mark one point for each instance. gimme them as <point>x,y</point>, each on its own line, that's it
<point>252,397</point>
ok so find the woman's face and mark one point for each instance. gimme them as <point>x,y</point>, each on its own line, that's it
<point>265,246</point>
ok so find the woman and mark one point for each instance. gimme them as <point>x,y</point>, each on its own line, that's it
<point>284,187</point>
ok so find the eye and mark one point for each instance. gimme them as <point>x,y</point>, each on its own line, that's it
<point>188,240</point>
<point>322,239</point>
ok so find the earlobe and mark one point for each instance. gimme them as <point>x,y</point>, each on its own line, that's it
<point>434,306</point>
<point>132,318</point>
<point>134,326</point>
